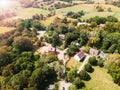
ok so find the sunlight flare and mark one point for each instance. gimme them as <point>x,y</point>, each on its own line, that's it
<point>4,3</point>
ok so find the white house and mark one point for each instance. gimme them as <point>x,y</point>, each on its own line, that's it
<point>102,55</point>
<point>79,56</point>
<point>82,23</point>
<point>51,87</point>
<point>94,52</point>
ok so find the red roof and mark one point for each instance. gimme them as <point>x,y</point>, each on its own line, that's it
<point>80,54</point>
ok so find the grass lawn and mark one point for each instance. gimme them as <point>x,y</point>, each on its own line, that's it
<point>101,80</point>
<point>5,29</point>
<point>29,12</point>
<point>73,63</point>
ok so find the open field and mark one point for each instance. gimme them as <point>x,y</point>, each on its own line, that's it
<point>5,29</point>
<point>29,12</point>
<point>101,80</point>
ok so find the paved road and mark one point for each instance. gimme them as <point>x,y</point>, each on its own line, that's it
<point>64,85</point>
<point>84,62</point>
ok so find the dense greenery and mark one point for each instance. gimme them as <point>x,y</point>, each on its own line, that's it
<point>20,67</point>
<point>75,15</point>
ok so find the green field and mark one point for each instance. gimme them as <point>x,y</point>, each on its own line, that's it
<point>101,80</point>
<point>29,12</point>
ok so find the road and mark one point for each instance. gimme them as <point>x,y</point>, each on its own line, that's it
<point>84,62</point>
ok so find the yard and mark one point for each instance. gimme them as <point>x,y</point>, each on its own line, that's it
<point>101,80</point>
<point>73,63</point>
<point>5,29</point>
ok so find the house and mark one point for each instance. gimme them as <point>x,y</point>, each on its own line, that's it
<point>51,87</point>
<point>41,33</point>
<point>79,56</point>
<point>50,49</point>
<point>82,23</point>
<point>102,55</point>
<point>94,52</point>
<point>62,36</point>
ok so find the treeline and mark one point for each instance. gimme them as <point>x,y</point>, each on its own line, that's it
<point>75,15</point>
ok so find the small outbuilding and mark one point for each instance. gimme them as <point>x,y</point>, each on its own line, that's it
<point>51,87</point>
<point>102,55</point>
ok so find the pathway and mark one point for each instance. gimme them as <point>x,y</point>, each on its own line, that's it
<point>84,62</point>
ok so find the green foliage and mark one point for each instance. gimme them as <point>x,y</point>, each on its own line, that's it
<point>78,82</point>
<point>100,63</point>
<point>84,75</point>
<point>18,81</point>
<point>71,74</point>
<point>75,15</point>
<point>88,67</point>
<point>93,61</point>
<point>72,49</point>
<point>72,87</point>
<point>102,20</point>
<point>22,44</point>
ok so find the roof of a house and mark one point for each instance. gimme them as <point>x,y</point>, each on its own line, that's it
<point>82,23</point>
<point>52,87</point>
<point>92,50</point>
<point>80,54</point>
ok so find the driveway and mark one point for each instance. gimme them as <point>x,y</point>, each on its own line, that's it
<point>84,62</point>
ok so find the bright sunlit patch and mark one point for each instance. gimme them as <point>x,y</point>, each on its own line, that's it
<point>4,3</point>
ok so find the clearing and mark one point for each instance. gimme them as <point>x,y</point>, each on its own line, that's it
<point>5,29</point>
<point>101,80</point>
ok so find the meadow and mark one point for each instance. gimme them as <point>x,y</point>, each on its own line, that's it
<point>5,29</point>
<point>101,80</point>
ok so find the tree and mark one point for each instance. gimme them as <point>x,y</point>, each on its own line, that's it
<point>100,63</point>
<point>71,74</point>
<point>18,81</point>
<point>72,87</point>
<point>72,49</point>
<point>88,67</point>
<point>84,75</point>
<point>92,60</point>
<point>78,82</point>
<point>22,44</point>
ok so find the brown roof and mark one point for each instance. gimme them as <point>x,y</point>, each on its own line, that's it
<point>80,54</point>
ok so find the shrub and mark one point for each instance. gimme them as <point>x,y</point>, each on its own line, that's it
<point>88,67</point>
<point>100,63</point>
<point>78,82</point>
<point>84,75</point>
<point>93,61</point>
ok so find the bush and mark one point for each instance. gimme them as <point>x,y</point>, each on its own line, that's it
<point>72,87</point>
<point>88,68</point>
<point>78,82</point>
<point>84,75</point>
<point>93,61</point>
<point>100,63</point>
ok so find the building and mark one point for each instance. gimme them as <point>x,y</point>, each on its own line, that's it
<point>79,56</point>
<point>62,36</point>
<point>41,33</point>
<point>82,23</point>
<point>102,55</point>
<point>50,49</point>
<point>94,52</point>
<point>51,87</point>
